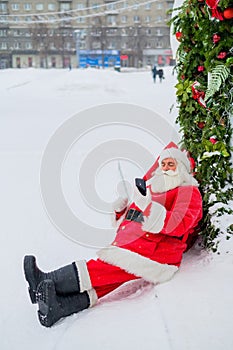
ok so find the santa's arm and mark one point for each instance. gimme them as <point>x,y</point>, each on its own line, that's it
<point>185,212</point>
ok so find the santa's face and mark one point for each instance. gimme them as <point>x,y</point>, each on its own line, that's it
<point>168,164</point>
<point>166,177</point>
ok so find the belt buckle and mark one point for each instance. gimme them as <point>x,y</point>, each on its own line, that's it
<point>130,214</point>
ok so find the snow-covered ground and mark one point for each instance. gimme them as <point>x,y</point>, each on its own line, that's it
<point>194,310</point>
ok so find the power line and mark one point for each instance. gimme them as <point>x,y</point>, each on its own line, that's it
<point>65,16</point>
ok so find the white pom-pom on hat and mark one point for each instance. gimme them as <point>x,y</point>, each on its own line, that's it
<point>177,154</point>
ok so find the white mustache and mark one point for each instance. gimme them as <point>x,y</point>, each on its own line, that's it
<point>170,172</point>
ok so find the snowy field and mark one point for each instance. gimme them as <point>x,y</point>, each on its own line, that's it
<point>193,311</point>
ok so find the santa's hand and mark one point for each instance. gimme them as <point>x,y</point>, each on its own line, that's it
<point>141,201</point>
<point>155,221</point>
<point>120,204</point>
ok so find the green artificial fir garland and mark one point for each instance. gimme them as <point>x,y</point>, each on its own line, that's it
<point>205,98</point>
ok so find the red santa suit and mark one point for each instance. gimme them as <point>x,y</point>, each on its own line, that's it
<point>142,248</point>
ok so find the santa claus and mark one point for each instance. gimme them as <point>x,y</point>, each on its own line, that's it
<point>150,240</point>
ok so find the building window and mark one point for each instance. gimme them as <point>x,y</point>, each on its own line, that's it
<point>17,45</point>
<point>3,19</point>
<point>80,6</point>
<point>96,45</point>
<point>148,6</point>
<point>123,31</point>
<point>159,45</point>
<point>95,6</point>
<point>111,19</point>
<point>158,32</point>
<point>147,19</point>
<point>65,6</point>
<point>112,32</point>
<point>159,6</point>
<point>28,45</point>
<point>111,6</point>
<point>27,7</point>
<point>3,46</point>
<point>39,7</point>
<point>15,7</point>
<point>159,19</point>
<point>112,45</point>
<point>81,19</point>
<point>3,32</point>
<point>3,7</point>
<point>82,45</point>
<point>136,19</point>
<point>67,45</point>
<point>83,33</point>
<point>16,32</point>
<point>52,46</point>
<point>123,19</point>
<point>148,31</point>
<point>51,7</point>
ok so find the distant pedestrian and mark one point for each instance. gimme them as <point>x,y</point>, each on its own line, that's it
<point>161,75</point>
<point>154,73</point>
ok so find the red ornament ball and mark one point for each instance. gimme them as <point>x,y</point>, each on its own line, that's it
<point>213,140</point>
<point>179,36</point>
<point>200,68</point>
<point>228,13</point>
<point>216,38</point>
<point>201,125</point>
<point>222,55</point>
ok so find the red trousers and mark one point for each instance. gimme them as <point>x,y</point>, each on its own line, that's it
<point>105,277</point>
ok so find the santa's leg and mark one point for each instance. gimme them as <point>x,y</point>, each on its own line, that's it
<point>105,278</point>
<point>96,279</point>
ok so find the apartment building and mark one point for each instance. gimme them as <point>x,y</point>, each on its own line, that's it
<point>75,33</point>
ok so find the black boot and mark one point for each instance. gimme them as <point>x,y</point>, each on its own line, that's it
<point>53,307</point>
<point>66,278</point>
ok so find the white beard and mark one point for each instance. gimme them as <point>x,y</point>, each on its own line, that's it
<point>163,181</point>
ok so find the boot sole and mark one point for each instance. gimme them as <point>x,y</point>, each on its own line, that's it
<point>44,295</point>
<point>29,263</point>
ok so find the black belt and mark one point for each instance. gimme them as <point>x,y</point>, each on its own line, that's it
<point>134,215</point>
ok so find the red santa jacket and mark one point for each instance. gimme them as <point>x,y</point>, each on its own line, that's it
<point>156,256</point>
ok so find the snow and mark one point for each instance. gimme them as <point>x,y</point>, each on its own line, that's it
<point>192,311</point>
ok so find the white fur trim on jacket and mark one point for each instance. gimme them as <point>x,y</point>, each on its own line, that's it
<point>92,296</point>
<point>83,274</point>
<point>155,221</point>
<point>141,201</point>
<point>136,264</point>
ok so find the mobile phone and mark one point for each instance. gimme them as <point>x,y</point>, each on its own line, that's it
<point>141,185</point>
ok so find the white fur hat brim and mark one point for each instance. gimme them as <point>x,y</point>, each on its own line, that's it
<point>177,154</point>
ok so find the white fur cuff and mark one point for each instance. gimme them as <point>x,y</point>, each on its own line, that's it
<point>155,221</point>
<point>83,274</point>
